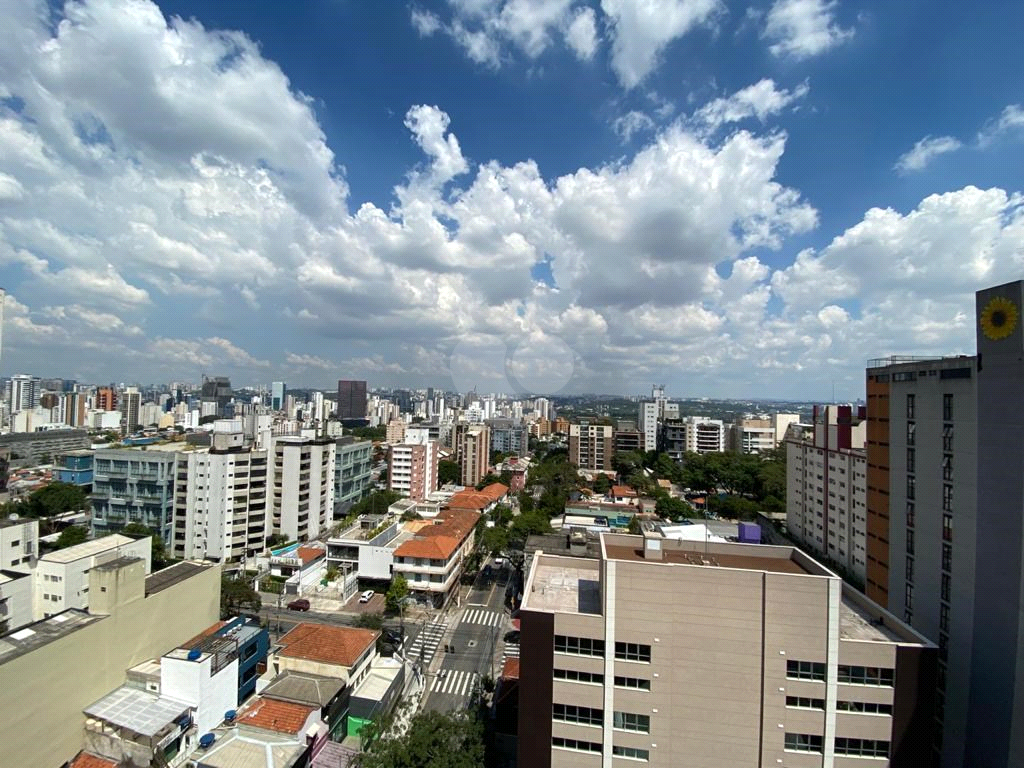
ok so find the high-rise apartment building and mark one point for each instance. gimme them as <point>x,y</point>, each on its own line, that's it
<point>759,435</point>
<point>647,423</point>
<point>215,396</point>
<point>636,655</point>
<point>71,409</point>
<point>693,434</point>
<point>353,471</point>
<point>106,399</point>
<point>351,399</point>
<point>303,500</point>
<point>826,487</point>
<point>278,391</point>
<point>473,451</point>
<point>509,436</point>
<point>592,446</point>
<point>946,524</point>
<point>131,402</point>
<point>412,469</point>
<point>394,433</point>
<point>23,392</point>
<point>132,486</point>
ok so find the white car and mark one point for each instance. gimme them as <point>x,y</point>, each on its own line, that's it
<point>366,597</point>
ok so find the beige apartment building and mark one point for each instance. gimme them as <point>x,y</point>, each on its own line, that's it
<point>473,451</point>
<point>722,655</point>
<point>591,446</point>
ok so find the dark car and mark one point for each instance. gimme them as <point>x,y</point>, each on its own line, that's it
<point>302,604</point>
<point>512,637</point>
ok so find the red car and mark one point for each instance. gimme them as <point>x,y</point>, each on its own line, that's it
<point>302,604</point>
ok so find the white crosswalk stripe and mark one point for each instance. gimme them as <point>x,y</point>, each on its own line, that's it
<point>455,682</point>
<point>478,616</point>
<point>426,642</point>
<point>510,652</point>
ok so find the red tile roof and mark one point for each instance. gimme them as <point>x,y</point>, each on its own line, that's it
<point>622,490</point>
<point>274,715</point>
<point>495,491</point>
<point>327,644</point>
<point>85,760</point>
<point>308,554</point>
<point>440,540</point>
<point>511,669</point>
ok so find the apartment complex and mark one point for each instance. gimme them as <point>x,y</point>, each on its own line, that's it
<point>760,656</point>
<point>591,446</point>
<point>303,493</point>
<point>432,560</point>
<point>473,451</point>
<point>747,435</point>
<point>826,487</point>
<point>19,542</point>
<point>353,469</point>
<point>693,434</point>
<point>509,436</point>
<point>412,468</point>
<point>133,486</point>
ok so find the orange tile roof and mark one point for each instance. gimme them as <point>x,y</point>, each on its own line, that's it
<point>440,540</point>
<point>274,715</point>
<point>495,490</point>
<point>326,644</point>
<point>470,499</point>
<point>622,490</point>
<point>203,635</point>
<point>85,760</point>
<point>511,669</point>
<point>308,554</point>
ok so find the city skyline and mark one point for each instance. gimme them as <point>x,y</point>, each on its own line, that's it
<point>526,197</point>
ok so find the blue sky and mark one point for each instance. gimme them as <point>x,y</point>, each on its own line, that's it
<point>732,199</point>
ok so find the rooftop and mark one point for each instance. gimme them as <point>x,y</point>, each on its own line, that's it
<point>377,684</point>
<point>511,669</point>
<point>303,688</point>
<point>681,552</point>
<point>87,549</point>
<point>137,710</point>
<point>85,760</point>
<point>174,574</point>
<point>327,644</point>
<point>622,490</point>
<point>278,716</point>
<point>561,585</point>
<point>235,749</point>
<point>438,539</point>
<point>42,632</point>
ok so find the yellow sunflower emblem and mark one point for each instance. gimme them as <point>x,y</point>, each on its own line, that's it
<point>998,318</point>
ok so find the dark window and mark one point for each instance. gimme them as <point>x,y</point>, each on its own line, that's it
<point>578,677</point>
<point>947,437</point>
<point>947,527</point>
<point>861,747</point>
<point>947,407</point>
<point>633,682</point>
<point>576,744</point>
<point>947,498</point>
<point>910,406</point>
<point>867,707</point>
<point>943,617</point>
<point>580,646</point>
<point>569,713</point>
<point>803,742</point>
<point>947,556</point>
<point>910,460</point>
<point>632,652</point>
<point>910,514</point>
<point>633,752</point>
<point>865,675</point>
<point>908,596</point>
<point>910,570</point>
<point>629,721</point>
<point>911,485</point>
<point>946,587</point>
<point>947,466</point>
<point>911,429</point>
<point>805,670</point>
<point>910,541</point>
<point>802,702</point>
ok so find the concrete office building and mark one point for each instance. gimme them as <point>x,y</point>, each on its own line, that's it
<point>591,447</point>
<point>353,472</point>
<point>32,447</point>
<point>715,655</point>
<point>66,662</point>
<point>23,392</point>
<point>215,396</point>
<point>946,524</point>
<point>826,487</point>
<point>220,503</point>
<point>351,399</point>
<point>132,486</point>
<point>473,451</point>
<point>278,392</point>
<point>303,500</point>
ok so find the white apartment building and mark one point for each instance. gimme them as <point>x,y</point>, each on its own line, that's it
<point>647,422</point>
<point>15,600</point>
<point>220,502</point>
<point>826,487</point>
<point>751,436</point>
<point>694,434</point>
<point>303,500</point>
<point>412,468</point>
<point>61,578</point>
<point>19,543</point>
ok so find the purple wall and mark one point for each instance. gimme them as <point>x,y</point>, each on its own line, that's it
<point>749,533</point>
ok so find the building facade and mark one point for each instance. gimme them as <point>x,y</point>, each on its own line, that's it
<point>412,469</point>
<point>612,671</point>
<point>351,399</point>
<point>133,486</point>
<point>33,447</point>
<point>353,472</point>
<point>826,487</point>
<point>278,392</point>
<point>693,434</point>
<point>752,436</point>
<point>591,446</point>
<point>473,451</point>
<point>303,499</point>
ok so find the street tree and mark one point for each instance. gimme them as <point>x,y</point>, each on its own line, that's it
<point>432,740</point>
<point>397,592</point>
<point>448,472</point>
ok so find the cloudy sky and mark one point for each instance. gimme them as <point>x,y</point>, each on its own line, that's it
<point>732,199</point>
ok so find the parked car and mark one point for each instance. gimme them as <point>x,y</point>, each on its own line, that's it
<point>512,637</point>
<point>366,597</point>
<point>302,604</point>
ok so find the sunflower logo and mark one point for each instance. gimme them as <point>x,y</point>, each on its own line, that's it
<point>998,318</point>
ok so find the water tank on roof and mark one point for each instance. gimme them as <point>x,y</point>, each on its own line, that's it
<point>230,715</point>
<point>206,740</point>
<point>194,654</point>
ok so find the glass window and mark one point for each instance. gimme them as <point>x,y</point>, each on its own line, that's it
<point>911,429</point>
<point>803,742</point>
<point>947,556</point>
<point>947,498</point>
<point>867,707</point>
<point>911,459</point>
<point>569,713</point>
<point>908,596</point>
<point>947,407</point>
<point>947,466</point>
<point>865,675</point>
<point>910,406</point>
<point>633,682</point>
<point>946,586</point>
<point>910,514</point>
<point>805,670</point>
<point>631,752</point>
<point>910,541</point>
<point>947,527</point>
<point>943,617</point>
<point>579,646</point>
<point>632,652</point>
<point>861,747</point>
<point>579,677</point>
<point>802,702</point>
<point>575,744</point>
<point>910,570</point>
<point>629,721</point>
<point>911,485</point>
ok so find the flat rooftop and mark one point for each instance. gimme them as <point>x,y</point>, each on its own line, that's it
<point>137,710</point>
<point>87,549</point>
<point>236,749</point>
<point>558,586</point>
<point>174,574</point>
<point>711,556</point>
<point>40,633</point>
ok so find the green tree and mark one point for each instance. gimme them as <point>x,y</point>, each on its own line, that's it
<point>370,620</point>
<point>208,419</point>
<point>528,523</point>
<point>56,499</point>
<point>627,462</point>
<point>602,484</point>
<point>494,540</point>
<point>432,740</point>
<point>376,503</point>
<point>397,592</point>
<point>772,472</point>
<point>158,553</point>
<point>369,433</point>
<point>448,472</point>
<point>238,595</point>
<point>526,502</point>
<point>634,525</point>
<point>73,534</point>
<point>674,509</point>
<point>502,515</point>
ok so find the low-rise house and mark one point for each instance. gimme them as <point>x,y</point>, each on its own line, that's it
<point>433,559</point>
<point>344,653</point>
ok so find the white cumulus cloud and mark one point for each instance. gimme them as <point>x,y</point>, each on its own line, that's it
<point>803,28</point>
<point>926,150</point>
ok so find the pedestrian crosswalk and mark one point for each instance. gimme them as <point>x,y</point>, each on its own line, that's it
<point>510,651</point>
<point>456,682</point>
<point>425,645</point>
<point>479,616</point>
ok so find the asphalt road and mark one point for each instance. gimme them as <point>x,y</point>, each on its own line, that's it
<point>480,625</point>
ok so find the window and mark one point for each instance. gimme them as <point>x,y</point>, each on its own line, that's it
<point>947,527</point>
<point>908,597</point>
<point>910,514</point>
<point>947,556</point>
<point>947,437</point>
<point>569,713</point>
<point>801,702</point>
<point>910,406</point>
<point>943,617</point>
<point>579,677</point>
<point>575,744</point>
<point>15,542</point>
<point>805,670</point>
<point>628,721</point>
<point>910,486</point>
<point>867,707</point>
<point>910,541</point>
<point>946,586</point>
<point>803,742</point>
<point>579,646</point>
<point>632,652</point>
<point>911,429</point>
<point>947,466</point>
<point>947,498</point>
<point>861,747</point>
<point>947,407</point>
<point>631,752</point>
<point>865,675</point>
<point>911,459</point>
<point>632,682</point>
<point>910,570</point>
